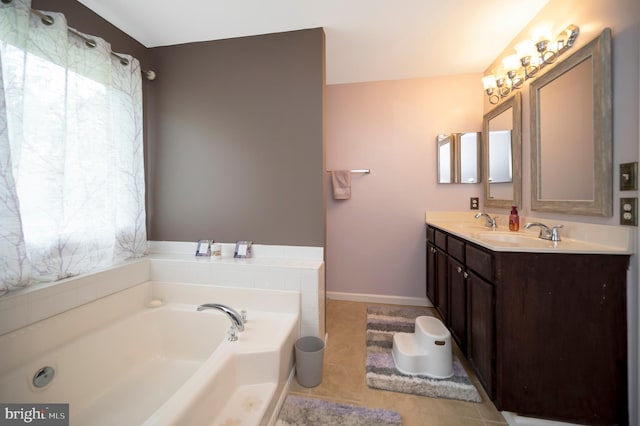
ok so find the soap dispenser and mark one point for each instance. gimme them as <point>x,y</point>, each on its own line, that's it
<point>514,219</point>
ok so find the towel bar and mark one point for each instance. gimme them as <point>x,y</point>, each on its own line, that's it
<point>358,171</point>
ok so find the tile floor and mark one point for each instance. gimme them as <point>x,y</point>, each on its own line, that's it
<point>344,378</point>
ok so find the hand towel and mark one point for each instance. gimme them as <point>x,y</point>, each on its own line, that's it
<point>341,180</point>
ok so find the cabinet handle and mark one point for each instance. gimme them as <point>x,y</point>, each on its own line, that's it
<point>466,275</point>
<point>459,269</point>
<point>433,250</point>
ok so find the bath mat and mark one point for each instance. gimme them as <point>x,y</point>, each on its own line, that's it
<point>381,373</point>
<point>303,411</point>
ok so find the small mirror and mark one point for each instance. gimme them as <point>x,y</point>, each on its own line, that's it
<point>502,154</point>
<point>571,133</point>
<point>458,160</point>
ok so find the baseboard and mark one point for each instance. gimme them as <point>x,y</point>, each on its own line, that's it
<point>379,298</point>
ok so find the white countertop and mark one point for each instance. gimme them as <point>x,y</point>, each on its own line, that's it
<point>576,237</point>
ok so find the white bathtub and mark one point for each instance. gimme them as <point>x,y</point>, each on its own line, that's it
<point>118,361</point>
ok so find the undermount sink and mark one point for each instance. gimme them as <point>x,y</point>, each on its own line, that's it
<point>511,238</point>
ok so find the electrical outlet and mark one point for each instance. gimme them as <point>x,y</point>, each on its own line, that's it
<point>474,203</point>
<point>629,211</point>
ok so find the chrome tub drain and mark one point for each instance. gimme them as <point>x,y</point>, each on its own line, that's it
<point>43,377</point>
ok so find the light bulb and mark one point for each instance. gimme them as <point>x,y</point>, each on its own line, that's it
<point>489,82</point>
<point>511,62</point>
<point>524,48</point>
<point>534,61</point>
<point>542,34</point>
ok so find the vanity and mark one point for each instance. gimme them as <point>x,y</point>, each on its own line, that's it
<point>543,324</point>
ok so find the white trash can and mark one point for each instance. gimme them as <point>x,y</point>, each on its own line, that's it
<point>309,358</point>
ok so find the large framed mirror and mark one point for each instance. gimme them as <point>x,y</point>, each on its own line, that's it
<point>502,154</point>
<point>458,157</point>
<point>571,134</point>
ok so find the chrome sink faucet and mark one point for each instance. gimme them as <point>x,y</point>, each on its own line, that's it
<point>546,233</point>
<point>237,320</point>
<point>490,222</point>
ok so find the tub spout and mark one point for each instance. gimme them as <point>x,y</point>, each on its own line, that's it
<point>234,316</point>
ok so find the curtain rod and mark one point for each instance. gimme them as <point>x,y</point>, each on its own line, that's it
<point>48,20</point>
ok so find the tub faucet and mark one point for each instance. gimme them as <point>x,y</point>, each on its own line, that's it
<point>234,316</point>
<point>546,233</point>
<point>490,222</point>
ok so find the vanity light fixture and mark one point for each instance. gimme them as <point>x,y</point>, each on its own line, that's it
<point>530,57</point>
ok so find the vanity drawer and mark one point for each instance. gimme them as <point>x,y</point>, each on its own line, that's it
<point>455,248</point>
<point>480,261</point>
<point>431,234</point>
<point>441,239</point>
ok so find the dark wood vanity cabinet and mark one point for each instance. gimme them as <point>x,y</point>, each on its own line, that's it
<point>437,272</point>
<point>482,341</point>
<point>446,282</point>
<point>564,317</point>
<point>480,265</point>
<point>545,332</point>
<point>457,280</point>
<point>431,273</point>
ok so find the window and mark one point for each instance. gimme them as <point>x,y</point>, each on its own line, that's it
<point>71,154</point>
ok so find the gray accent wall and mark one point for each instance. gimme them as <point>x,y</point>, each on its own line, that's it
<point>237,140</point>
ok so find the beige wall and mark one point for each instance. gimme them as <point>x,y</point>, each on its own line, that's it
<point>376,240</point>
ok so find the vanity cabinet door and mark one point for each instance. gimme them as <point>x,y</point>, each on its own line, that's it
<point>481,343</point>
<point>458,302</point>
<point>431,273</point>
<point>442,285</point>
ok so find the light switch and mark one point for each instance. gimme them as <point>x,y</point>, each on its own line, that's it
<point>629,176</point>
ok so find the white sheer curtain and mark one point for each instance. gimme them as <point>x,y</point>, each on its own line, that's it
<point>71,152</point>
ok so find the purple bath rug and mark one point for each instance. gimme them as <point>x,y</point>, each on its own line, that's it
<point>381,372</point>
<point>304,411</point>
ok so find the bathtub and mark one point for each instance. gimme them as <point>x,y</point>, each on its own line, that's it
<point>146,356</point>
